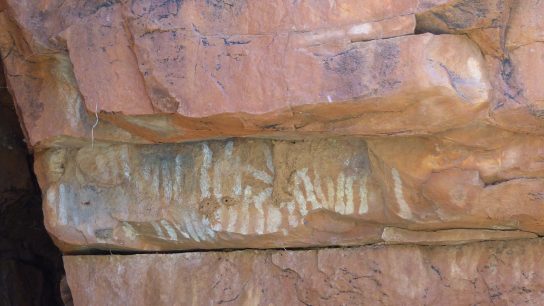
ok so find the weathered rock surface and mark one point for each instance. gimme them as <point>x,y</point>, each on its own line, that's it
<point>201,69</point>
<point>414,122</point>
<point>264,193</point>
<point>490,273</point>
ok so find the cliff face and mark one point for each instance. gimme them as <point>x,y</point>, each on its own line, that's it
<point>183,125</point>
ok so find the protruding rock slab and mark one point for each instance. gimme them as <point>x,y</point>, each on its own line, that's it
<point>174,71</point>
<point>490,273</point>
<point>263,193</point>
<point>393,235</point>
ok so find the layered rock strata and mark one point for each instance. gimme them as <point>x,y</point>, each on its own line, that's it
<point>266,194</point>
<point>490,273</point>
<point>162,125</point>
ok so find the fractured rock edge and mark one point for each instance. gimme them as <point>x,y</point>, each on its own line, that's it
<point>484,273</point>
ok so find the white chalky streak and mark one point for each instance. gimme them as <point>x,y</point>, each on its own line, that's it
<point>178,177</point>
<point>207,228</point>
<point>229,147</point>
<point>363,28</point>
<point>260,175</point>
<point>129,231</point>
<point>244,214</point>
<point>340,206</point>
<point>183,233</point>
<point>190,229</point>
<point>331,193</point>
<point>319,192</point>
<point>299,197</point>
<point>218,224</point>
<point>204,177</point>
<point>166,182</point>
<point>217,174</point>
<point>124,160</point>
<point>268,156</point>
<point>474,68</point>
<point>155,180</point>
<point>169,230</point>
<point>273,220</point>
<point>293,220</point>
<point>237,188</point>
<point>363,195</point>
<point>310,195</point>
<point>259,200</point>
<point>233,216</point>
<point>349,195</point>
<point>199,230</point>
<point>158,230</point>
<point>62,213</point>
<point>404,208</point>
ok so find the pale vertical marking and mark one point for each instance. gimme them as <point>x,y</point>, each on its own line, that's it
<point>260,175</point>
<point>299,197</point>
<point>217,175</point>
<point>129,231</point>
<point>158,229</point>
<point>340,206</point>
<point>125,163</point>
<point>292,219</point>
<point>229,147</point>
<point>233,216</point>
<point>310,196</point>
<point>259,200</point>
<point>204,177</point>
<point>349,195</point>
<point>324,202</point>
<point>404,208</point>
<point>244,214</point>
<point>268,157</point>
<point>189,226</point>
<point>166,179</point>
<point>62,210</point>
<point>169,230</point>
<point>178,227</point>
<point>273,221</point>
<point>331,193</point>
<point>178,177</point>
<point>197,225</point>
<point>155,181</point>
<point>363,194</point>
<point>206,224</point>
<point>237,188</point>
<point>219,219</point>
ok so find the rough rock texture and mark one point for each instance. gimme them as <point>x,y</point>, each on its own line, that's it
<point>490,273</point>
<point>30,264</point>
<point>203,69</point>
<point>165,125</point>
<point>263,193</point>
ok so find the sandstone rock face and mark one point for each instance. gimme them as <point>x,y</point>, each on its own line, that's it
<point>491,273</point>
<point>163,125</point>
<point>201,69</point>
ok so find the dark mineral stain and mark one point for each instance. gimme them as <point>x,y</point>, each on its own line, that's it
<point>163,101</point>
<point>464,14</point>
<point>228,42</point>
<point>104,233</point>
<point>346,62</point>
<point>223,9</point>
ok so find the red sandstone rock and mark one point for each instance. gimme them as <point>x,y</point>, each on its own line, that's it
<point>136,58</point>
<point>491,273</point>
